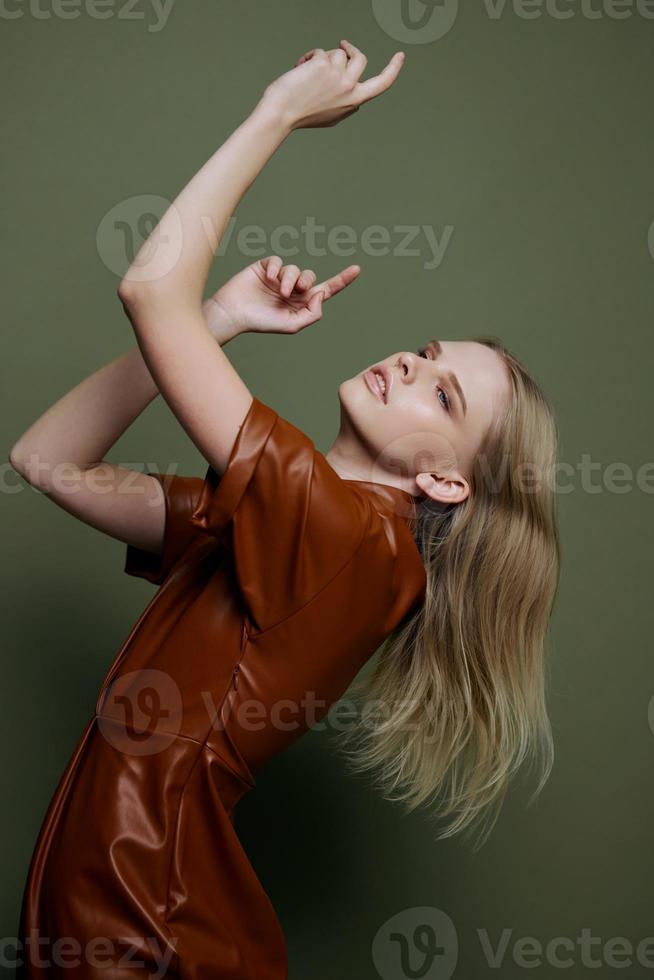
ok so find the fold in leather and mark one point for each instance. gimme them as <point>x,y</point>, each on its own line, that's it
<point>293,522</point>
<point>311,574</point>
<point>221,494</point>
<point>181,493</point>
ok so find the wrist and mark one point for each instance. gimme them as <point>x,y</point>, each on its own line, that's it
<point>272,113</point>
<point>222,326</point>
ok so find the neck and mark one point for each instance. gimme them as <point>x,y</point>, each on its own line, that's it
<point>349,457</point>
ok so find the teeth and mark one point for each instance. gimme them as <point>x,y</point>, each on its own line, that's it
<point>382,383</point>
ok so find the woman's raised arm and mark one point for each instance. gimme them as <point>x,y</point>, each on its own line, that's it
<point>62,453</point>
<point>162,290</point>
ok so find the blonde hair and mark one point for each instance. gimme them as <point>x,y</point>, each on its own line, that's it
<point>456,702</point>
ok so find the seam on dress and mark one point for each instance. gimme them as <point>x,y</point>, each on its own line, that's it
<point>201,746</point>
<point>176,832</point>
<point>183,525</point>
<point>226,764</point>
<point>173,735</point>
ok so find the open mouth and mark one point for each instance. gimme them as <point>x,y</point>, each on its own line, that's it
<point>377,381</point>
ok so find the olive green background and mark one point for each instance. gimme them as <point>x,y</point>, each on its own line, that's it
<point>532,138</point>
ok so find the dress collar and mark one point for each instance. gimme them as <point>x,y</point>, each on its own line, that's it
<point>394,499</point>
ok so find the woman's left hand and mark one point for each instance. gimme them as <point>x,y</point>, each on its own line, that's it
<point>270,297</point>
<point>324,86</point>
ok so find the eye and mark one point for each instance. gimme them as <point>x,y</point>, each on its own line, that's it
<point>446,403</point>
<point>423,352</point>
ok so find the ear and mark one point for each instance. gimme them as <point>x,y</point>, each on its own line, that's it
<point>450,489</point>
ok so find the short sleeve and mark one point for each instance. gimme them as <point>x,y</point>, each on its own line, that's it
<point>181,495</point>
<point>290,520</point>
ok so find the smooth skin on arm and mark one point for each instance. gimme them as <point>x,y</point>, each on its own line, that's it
<point>162,290</point>
<point>62,454</point>
<point>179,337</point>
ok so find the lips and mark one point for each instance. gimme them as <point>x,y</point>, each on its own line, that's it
<point>373,383</point>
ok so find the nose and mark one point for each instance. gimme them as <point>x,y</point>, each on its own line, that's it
<point>407,365</point>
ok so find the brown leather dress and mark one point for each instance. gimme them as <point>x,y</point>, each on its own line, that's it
<point>277,582</point>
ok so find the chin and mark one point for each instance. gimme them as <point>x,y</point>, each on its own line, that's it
<point>358,409</point>
<point>352,395</point>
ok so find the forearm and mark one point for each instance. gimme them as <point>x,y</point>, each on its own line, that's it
<point>323,88</point>
<point>174,262</point>
<point>83,425</point>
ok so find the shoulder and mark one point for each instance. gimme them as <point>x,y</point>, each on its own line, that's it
<point>391,522</point>
<point>291,521</point>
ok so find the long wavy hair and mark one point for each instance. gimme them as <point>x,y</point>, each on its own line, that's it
<point>456,702</point>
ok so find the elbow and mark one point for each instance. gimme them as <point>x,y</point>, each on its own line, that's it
<point>14,459</point>
<point>137,301</point>
<point>136,293</point>
<point>18,461</point>
<point>129,292</point>
<point>141,298</point>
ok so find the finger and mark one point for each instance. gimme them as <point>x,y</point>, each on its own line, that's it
<point>288,278</point>
<point>357,60</point>
<point>272,264</point>
<point>338,57</point>
<point>306,280</point>
<point>311,312</point>
<point>338,282</point>
<point>382,82</point>
<point>309,54</point>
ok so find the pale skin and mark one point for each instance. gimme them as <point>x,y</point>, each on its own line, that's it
<point>180,339</point>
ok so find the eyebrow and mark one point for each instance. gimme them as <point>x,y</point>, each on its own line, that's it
<point>454,381</point>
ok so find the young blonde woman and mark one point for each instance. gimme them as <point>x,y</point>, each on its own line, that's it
<point>280,573</point>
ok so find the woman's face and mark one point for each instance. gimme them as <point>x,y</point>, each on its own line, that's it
<point>427,426</point>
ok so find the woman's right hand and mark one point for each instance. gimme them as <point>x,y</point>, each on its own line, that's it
<point>323,87</point>
<point>270,297</point>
